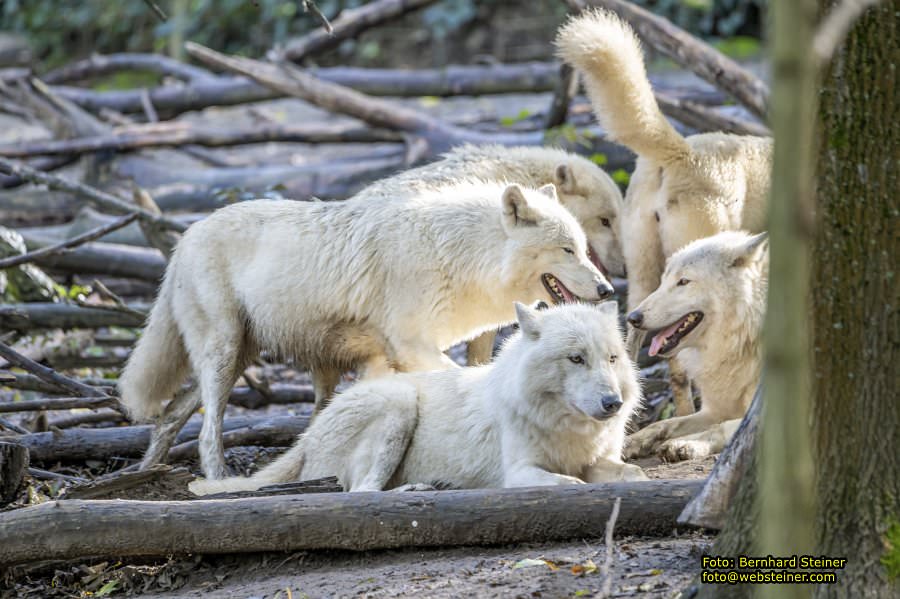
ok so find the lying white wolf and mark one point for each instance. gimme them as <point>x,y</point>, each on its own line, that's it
<point>584,189</point>
<point>372,286</point>
<point>708,310</point>
<point>682,189</point>
<point>550,410</point>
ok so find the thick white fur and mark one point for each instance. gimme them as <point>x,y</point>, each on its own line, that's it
<point>682,189</point>
<point>726,279</point>
<point>583,187</point>
<point>533,417</point>
<point>376,286</point>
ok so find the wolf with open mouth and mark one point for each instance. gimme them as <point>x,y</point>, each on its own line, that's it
<point>709,311</point>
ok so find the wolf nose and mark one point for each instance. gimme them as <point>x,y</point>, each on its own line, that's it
<point>636,318</point>
<point>611,403</point>
<point>605,290</point>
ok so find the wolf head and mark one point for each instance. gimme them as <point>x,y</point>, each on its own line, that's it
<point>547,251</point>
<point>708,286</point>
<point>574,358</point>
<point>596,203</point>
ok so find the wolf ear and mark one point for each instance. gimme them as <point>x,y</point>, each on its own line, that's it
<point>528,321</point>
<point>549,190</point>
<point>516,209</point>
<point>611,306</point>
<point>751,251</point>
<point>565,178</point>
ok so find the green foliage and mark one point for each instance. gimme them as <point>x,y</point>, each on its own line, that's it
<point>599,159</point>
<point>721,18</point>
<point>740,47</point>
<point>621,176</point>
<point>891,558</point>
<point>509,121</point>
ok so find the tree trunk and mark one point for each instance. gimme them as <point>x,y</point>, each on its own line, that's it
<point>855,415</point>
<point>856,318</point>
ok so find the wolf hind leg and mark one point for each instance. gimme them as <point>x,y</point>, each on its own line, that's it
<point>325,380</point>
<point>385,415</point>
<point>172,420</point>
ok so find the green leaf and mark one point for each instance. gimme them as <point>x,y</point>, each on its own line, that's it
<point>599,159</point>
<point>107,589</point>
<point>621,176</point>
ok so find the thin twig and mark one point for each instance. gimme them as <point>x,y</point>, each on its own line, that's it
<point>100,198</point>
<point>156,10</point>
<point>610,549</point>
<point>68,244</point>
<point>48,374</point>
<point>147,103</point>
<point>310,6</point>
<point>835,27</point>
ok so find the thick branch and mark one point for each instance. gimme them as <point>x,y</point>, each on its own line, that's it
<point>98,65</point>
<point>837,25</point>
<point>180,134</point>
<point>682,47</point>
<point>57,403</point>
<point>46,315</point>
<point>356,521</point>
<point>703,118</point>
<point>349,24</point>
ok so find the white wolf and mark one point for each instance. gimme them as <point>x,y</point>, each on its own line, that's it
<point>584,189</point>
<point>550,410</point>
<point>708,310</point>
<point>374,286</point>
<point>682,189</point>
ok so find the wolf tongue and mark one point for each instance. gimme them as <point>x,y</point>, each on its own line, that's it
<point>595,260</point>
<point>660,338</point>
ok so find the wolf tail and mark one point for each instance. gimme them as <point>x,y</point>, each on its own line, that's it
<point>607,52</point>
<point>158,364</point>
<point>285,469</point>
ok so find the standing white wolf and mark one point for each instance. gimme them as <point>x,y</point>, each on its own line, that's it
<point>550,410</point>
<point>584,189</point>
<point>375,286</point>
<point>682,189</point>
<point>708,310</point>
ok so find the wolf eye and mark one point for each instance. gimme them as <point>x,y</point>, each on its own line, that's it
<point>576,359</point>
<point>605,222</point>
<point>568,250</point>
<point>682,282</point>
<point>613,358</point>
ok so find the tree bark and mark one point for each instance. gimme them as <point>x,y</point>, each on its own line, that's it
<point>856,314</point>
<point>356,521</point>
<point>13,464</point>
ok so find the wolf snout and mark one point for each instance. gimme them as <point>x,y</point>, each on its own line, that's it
<point>636,319</point>
<point>611,403</point>
<point>605,290</point>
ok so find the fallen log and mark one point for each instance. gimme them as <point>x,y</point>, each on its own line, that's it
<point>47,164</point>
<point>702,59</point>
<point>110,259</point>
<point>181,134</point>
<point>78,444</point>
<point>95,196</point>
<point>349,24</point>
<point>67,244</point>
<point>58,530</point>
<point>704,118</point>
<point>245,397</point>
<point>48,375</point>
<point>46,315</point>
<point>56,403</point>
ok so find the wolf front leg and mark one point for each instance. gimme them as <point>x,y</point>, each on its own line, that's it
<point>524,474</point>
<point>681,388</point>
<point>324,380</point>
<point>421,357</point>
<point>647,441</point>
<point>608,471</point>
<point>699,445</point>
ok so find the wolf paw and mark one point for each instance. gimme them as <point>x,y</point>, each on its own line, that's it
<point>631,473</point>
<point>678,450</point>
<point>644,442</point>
<point>413,487</point>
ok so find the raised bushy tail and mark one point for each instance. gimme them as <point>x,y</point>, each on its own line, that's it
<point>158,364</point>
<point>609,56</point>
<point>286,468</point>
